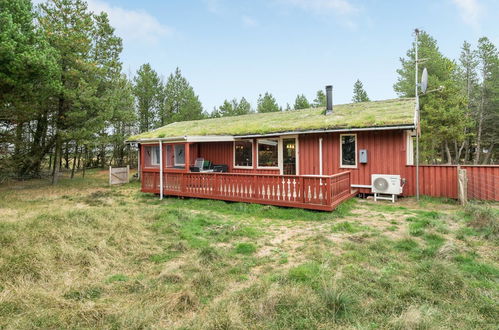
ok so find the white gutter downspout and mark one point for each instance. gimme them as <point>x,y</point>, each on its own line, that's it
<point>138,162</point>
<point>320,156</point>
<point>160,169</point>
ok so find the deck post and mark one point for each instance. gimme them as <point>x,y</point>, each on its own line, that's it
<point>328,191</point>
<point>187,157</point>
<point>160,169</point>
<point>138,162</point>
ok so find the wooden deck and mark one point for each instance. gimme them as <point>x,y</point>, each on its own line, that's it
<point>308,192</point>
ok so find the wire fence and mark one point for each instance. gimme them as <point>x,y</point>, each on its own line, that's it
<point>483,186</point>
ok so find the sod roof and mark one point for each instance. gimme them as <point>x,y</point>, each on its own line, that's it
<point>393,112</point>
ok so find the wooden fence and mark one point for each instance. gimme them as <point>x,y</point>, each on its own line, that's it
<point>311,192</point>
<point>118,175</point>
<point>442,181</point>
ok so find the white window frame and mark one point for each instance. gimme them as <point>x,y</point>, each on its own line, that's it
<point>175,155</point>
<point>409,148</point>
<point>279,155</point>
<point>297,153</point>
<point>154,161</point>
<point>341,152</point>
<point>252,154</point>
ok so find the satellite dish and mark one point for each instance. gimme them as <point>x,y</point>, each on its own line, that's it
<point>424,81</point>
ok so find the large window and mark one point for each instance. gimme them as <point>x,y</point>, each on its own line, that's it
<point>243,153</point>
<point>179,156</point>
<point>348,150</point>
<point>268,153</point>
<point>152,155</point>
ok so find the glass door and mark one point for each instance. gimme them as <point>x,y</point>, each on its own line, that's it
<point>289,156</point>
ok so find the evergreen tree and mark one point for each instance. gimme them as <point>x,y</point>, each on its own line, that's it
<point>232,108</point>
<point>320,100</point>
<point>468,79</point>
<point>359,94</point>
<point>147,90</point>
<point>181,103</point>
<point>27,78</point>
<point>486,114</point>
<point>69,28</point>
<point>267,103</point>
<point>301,102</point>
<point>443,114</point>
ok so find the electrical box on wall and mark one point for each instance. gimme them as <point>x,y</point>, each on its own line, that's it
<point>363,156</point>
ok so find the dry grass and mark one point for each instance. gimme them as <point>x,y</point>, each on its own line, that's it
<point>85,255</point>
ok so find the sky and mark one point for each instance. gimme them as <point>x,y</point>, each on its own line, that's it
<point>234,48</point>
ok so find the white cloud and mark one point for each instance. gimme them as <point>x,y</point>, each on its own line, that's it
<point>340,7</point>
<point>131,25</point>
<point>213,6</point>
<point>470,10</point>
<point>249,22</point>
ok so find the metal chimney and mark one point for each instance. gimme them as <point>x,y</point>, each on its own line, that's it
<point>329,99</point>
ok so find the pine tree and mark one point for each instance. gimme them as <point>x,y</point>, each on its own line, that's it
<point>147,93</point>
<point>443,114</point>
<point>181,103</point>
<point>301,102</point>
<point>359,94</point>
<point>468,80</point>
<point>267,103</point>
<point>69,28</point>
<point>28,70</point>
<point>320,99</point>
<point>486,115</point>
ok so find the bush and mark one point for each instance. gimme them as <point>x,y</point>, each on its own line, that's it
<point>483,218</point>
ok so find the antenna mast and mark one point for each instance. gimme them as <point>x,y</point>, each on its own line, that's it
<point>416,32</point>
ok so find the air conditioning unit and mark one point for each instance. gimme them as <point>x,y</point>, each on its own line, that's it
<point>386,184</point>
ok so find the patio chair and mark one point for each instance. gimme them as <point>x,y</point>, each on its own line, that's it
<point>198,165</point>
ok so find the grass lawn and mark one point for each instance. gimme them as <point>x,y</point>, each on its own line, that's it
<point>86,255</point>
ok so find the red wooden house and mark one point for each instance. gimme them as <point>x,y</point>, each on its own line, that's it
<point>302,158</point>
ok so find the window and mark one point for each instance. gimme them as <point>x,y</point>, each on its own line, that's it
<point>268,153</point>
<point>153,155</point>
<point>179,156</point>
<point>348,150</point>
<point>243,153</point>
<point>410,147</point>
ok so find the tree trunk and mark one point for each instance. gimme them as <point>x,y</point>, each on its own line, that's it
<point>66,156</point>
<point>447,152</point>
<point>57,161</point>
<point>85,159</point>
<point>74,161</point>
<point>17,157</point>
<point>79,158</point>
<point>480,123</point>
<point>488,157</point>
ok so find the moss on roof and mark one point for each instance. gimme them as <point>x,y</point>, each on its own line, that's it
<point>355,115</point>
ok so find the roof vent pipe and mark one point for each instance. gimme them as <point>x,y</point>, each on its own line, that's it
<point>329,99</point>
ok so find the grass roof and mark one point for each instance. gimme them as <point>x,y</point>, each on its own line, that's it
<point>355,115</point>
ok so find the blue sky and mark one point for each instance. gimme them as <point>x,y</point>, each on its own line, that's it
<point>230,49</point>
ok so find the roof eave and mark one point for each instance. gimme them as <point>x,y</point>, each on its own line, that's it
<point>332,130</point>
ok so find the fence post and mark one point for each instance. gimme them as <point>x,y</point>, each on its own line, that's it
<point>110,175</point>
<point>462,186</point>
<point>128,173</point>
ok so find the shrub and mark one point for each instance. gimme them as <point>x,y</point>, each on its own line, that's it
<point>483,218</point>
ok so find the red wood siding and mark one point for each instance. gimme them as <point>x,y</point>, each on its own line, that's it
<point>386,155</point>
<point>441,181</point>
<point>385,149</point>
